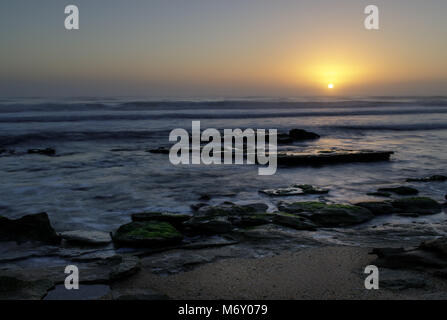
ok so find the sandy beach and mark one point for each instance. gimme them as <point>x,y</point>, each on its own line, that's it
<point>317,273</point>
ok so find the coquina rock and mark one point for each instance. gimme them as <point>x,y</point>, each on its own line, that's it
<point>419,205</point>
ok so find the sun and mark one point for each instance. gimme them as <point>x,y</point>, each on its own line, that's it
<point>330,85</point>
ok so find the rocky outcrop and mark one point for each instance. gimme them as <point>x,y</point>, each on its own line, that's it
<point>328,215</point>
<point>33,227</point>
<point>402,190</point>
<point>230,209</point>
<point>147,234</point>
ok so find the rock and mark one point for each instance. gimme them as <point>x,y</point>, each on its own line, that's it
<point>228,209</point>
<point>297,158</point>
<point>300,134</point>
<point>127,266</point>
<point>298,189</point>
<point>205,197</point>
<point>436,245</point>
<point>33,227</point>
<point>293,221</point>
<point>175,219</point>
<point>161,150</point>
<point>12,288</point>
<point>419,205</point>
<point>280,192</point>
<point>408,259</point>
<point>435,178</point>
<point>147,234</point>
<point>252,220</point>
<point>87,237</point>
<point>212,242</point>
<point>46,152</point>
<point>309,189</point>
<point>377,208</point>
<point>328,215</point>
<point>408,214</point>
<point>209,224</point>
<point>197,206</point>
<point>403,191</point>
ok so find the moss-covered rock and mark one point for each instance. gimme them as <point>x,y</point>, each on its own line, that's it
<point>147,234</point>
<point>419,205</point>
<point>209,224</point>
<point>175,219</point>
<point>378,207</point>
<point>229,209</point>
<point>310,189</point>
<point>402,190</point>
<point>328,215</point>
<point>256,219</point>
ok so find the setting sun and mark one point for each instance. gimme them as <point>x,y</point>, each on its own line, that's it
<point>330,85</point>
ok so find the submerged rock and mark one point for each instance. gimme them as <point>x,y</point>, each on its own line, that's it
<point>33,227</point>
<point>87,237</point>
<point>300,134</point>
<point>403,191</point>
<point>147,234</point>
<point>293,221</point>
<point>419,205</point>
<point>434,178</point>
<point>46,152</point>
<point>296,158</point>
<point>252,220</point>
<point>297,189</point>
<point>328,215</point>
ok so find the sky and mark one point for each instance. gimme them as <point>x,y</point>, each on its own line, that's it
<point>215,48</point>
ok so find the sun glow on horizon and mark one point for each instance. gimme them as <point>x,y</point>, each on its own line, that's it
<point>330,86</point>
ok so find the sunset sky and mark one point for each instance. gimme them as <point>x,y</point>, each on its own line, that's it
<point>215,48</point>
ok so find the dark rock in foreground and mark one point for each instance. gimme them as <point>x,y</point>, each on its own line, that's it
<point>46,152</point>
<point>209,224</point>
<point>379,194</point>
<point>294,158</point>
<point>230,209</point>
<point>403,191</point>
<point>147,234</point>
<point>434,178</point>
<point>419,205</point>
<point>33,227</point>
<point>328,215</point>
<point>429,254</point>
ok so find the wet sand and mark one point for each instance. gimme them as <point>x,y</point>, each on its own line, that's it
<point>317,273</point>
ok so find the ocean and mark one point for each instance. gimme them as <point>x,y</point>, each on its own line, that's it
<point>102,171</point>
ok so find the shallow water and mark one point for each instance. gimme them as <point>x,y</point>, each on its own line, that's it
<point>90,185</point>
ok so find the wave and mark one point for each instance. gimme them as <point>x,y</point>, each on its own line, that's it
<point>12,106</point>
<point>214,115</point>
